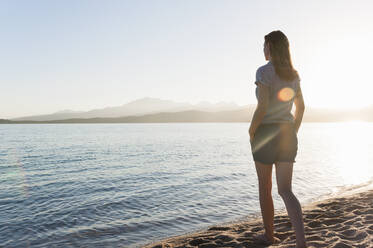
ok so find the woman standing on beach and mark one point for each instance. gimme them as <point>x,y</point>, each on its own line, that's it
<point>273,133</point>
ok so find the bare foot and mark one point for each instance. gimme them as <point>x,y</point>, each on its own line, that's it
<point>263,239</point>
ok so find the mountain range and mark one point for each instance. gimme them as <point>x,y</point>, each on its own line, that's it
<point>138,107</point>
<point>158,110</point>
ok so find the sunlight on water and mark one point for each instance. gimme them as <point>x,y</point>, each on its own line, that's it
<point>353,147</point>
<point>337,153</point>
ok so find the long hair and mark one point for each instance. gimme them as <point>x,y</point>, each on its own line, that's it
<point>280,54</point>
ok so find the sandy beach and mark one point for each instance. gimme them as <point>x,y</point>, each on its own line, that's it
<point>343,221</point>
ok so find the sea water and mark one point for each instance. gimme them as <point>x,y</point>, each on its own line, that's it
<point>125,185</point>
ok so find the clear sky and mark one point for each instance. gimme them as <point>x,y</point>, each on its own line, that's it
<point>81,55</point>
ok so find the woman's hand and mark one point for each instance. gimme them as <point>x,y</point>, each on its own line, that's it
<point>251,133</point>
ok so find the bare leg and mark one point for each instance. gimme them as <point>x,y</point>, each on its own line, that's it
<point>284,172</point>
<point>264,172</point>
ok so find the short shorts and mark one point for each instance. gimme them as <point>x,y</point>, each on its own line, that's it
<point>275,142</point>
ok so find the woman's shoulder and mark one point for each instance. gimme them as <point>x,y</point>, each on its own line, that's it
<point>265,68</point>
<point>265,73</point>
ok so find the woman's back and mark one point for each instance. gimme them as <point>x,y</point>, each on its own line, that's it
<point>281,94</point>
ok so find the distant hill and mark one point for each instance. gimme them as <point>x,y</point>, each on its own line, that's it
<point>138,107</point>
<point>183,116</point>
<point>5,121</point>
<point>242,114</point>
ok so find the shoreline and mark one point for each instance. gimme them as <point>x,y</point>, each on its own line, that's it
<point>344,219</point>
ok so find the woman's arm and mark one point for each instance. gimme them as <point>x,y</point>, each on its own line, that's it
<point>299,109</point>
<point>261,108</point>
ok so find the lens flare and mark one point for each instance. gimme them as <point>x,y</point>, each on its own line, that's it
<point>264,140</point>
<point>285,94</point>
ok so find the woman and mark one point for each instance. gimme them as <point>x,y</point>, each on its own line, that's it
<point>273,133</point>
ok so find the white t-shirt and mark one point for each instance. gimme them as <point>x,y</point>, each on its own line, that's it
<point>281,97</point>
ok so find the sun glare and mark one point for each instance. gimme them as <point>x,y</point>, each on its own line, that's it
<point>351,150</point>
<point>285,94</point>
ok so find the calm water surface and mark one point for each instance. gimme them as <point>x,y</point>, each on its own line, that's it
<point>124,185</point>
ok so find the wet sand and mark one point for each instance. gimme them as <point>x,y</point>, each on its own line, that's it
<point>344,221</point>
